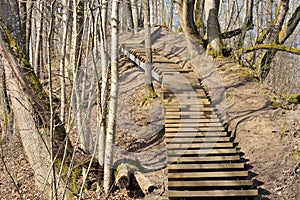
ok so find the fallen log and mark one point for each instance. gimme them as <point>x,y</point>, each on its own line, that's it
<point>123,176</point>
<point>146,186</point>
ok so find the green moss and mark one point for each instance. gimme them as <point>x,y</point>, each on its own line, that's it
<point>296,154</point>
<point>291,98</point>
<point>179,30</point>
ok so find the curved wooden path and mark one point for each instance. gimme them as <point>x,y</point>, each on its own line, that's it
<point>203,162</point>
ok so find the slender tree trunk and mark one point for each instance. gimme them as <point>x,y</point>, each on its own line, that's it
<point>155,12</point>
<point>148,69</point>
<point>129,15</point>
<point>170,24</point>
<point>63,95</point>
<point>104,85</point>
<point>37,47</point>
<point>111,127</point>
<point>163,13</point>
<point>135,15</point>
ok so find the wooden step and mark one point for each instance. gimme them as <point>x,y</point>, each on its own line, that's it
<point>170,121</point>
<point>193,90</point>
<point>201,152</point>
<point>206,166</point>
<point>208,174</point>
<point>204,116</point>
<point>193,129</point>
<point>188,113</point>
<point>199,145</point>
<point>204,159</point>
<point>194,109</point>
<point>186,101</point>
<point>195,140</point>
<point>218,183</point>
<point>213,193</point>
<point>193,125</point>
<point>196,134</point>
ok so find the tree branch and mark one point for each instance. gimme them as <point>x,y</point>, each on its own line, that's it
<point>270,47</point>
<point>232,33</point>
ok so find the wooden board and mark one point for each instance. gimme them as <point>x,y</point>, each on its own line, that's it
<point>199,145</point>
<point>205,120</point>
<point>199,124</point>
<point>218,174</point>
<point>206,166</point>
<point>185,109</point>
<point>203,116</point>
<point>218,183</point>
<point>201,152</point>
<point>195,140</point>
<point>205,159</point>
<point>213,193</point>
<point>197,134</point>
<point>195,129</point>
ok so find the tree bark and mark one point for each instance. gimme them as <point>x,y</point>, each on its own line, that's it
<point>135,16</point>
<point>214,47</point>
<point>146,186</point>
<point>31,103</point>
<point>149,89</point>
<point>111,127</point>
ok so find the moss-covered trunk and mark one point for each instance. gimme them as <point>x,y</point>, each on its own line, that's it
<point>30,105</point>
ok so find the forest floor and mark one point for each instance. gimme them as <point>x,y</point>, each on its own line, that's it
<point>267,135</point>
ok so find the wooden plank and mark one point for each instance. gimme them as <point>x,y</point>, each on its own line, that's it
<point>184,109</point>
<point>205,120</point>
<point>198,159</point>
<point>194,139</point>
<point>186,101</point>
<point>199,90</point>
<point>207,116</point>
<point>213,193</point>
<point>206,166</point>
<point>188,113</point>
<point>218,183</point>
<point>199,145</point>
<point>201,116</point>
<point>194,125</point>
<point>208,174</point>
<point>193,129</point>
<point>201,152</point>
<point>197,134</point>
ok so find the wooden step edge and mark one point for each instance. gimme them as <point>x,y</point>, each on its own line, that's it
<point>204,159</point>
<point>214,193</point>
<point>204,183</point>
<point>199,145</point>
<point>189,175</point>
<point>175,166</point>
<point>201,152</point>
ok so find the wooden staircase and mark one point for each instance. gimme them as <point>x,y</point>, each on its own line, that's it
<point>203,162</point>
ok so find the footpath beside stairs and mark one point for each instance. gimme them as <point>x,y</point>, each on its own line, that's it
<point>203,162</point>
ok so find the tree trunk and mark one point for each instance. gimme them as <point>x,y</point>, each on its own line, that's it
<point>214,47</point>
<point>104,86</point>
<point>185,13</point>
<point>111,127</point>
<point>149,89</point>
<point>31,102</point>
<point>65,22</point>
<point>135,16</point>
<point>170,24</point>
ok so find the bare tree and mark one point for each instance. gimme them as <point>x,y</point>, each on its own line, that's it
<point>148,69</point>
<point>111,126</point>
